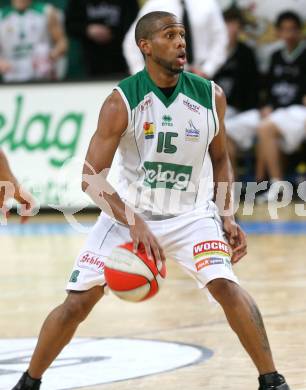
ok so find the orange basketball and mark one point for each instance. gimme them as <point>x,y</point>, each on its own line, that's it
<point>132,276</point>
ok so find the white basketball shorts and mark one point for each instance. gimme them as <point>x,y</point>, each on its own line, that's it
<point>290,121</point>
<point>195,242</point>
<point>242,128</point>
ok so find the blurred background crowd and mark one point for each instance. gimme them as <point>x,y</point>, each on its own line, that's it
<point>256,51</point>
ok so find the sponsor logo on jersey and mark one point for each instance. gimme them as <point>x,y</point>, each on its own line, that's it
<point>191,106</point>
<point>209,261</point>
<point>149,130</point>
<point>166,175</point>
<point>210,248</point>
<point>191,132</point>
<point>74,276</point>
<point>167,121</point>
<point>148,102</point>
<point>92,261</point>
<point>91,362</point>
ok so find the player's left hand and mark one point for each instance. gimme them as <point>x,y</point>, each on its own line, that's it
<point>236,238</point>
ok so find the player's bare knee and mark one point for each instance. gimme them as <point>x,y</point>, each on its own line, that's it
<point>263,129</point>
<point>74,310</point>
<point>267,129</point>
<point>225,291</point>
<point>78,305</point>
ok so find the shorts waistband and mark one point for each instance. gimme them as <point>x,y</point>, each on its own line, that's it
<point>149,216</point>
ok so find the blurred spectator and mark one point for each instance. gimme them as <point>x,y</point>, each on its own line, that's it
<point>266,11</point>
<point>32,40</point>
<point>101,25</point>
<point>260,17</point>
<point>283,131</point>
<point>280,122</point>
<point>206,36</point>
<point>238,76</point>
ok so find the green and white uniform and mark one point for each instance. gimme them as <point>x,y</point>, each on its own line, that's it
<point>23,36</point>
<point>166,168</point>
<point>166,174</point>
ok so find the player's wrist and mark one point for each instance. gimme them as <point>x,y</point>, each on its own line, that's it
<point>136,220</point>
<point>228,218</point>
<point>129,217</point>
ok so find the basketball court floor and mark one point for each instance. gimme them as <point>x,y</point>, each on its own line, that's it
<point>178,340</point>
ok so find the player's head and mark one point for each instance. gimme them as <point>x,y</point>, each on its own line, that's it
<point>21,5</point>
<point>289,28</point>
<point>234,23</point>
<point>161,39</point>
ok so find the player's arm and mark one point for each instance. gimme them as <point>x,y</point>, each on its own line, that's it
<point>5,66</point>
<point>113,121</point>
<point>57,34</point>
<point>10,188</point>
<point>223,178</point>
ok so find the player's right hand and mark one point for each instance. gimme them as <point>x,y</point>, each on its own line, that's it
<point>23,197</point>
<point>140,233</point>
<point>27,202</point>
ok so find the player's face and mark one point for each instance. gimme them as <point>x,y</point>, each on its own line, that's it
<point>168,45</point>
<point>290,33</point>
<point>21,4</point>
<point>233,30</point>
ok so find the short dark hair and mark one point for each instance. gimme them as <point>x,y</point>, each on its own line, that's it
<point>289,15</point>
<point>146,25</point>
<point>233,14</point>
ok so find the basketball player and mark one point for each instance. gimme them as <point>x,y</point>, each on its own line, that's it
<point>10,188</point>
<point>32,41</point>
<point>168,127</point>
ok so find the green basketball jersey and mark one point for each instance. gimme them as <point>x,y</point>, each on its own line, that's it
<point>165,163</point>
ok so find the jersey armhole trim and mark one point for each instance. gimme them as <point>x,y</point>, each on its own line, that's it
<point>214,109</point>
<point>127,107</point>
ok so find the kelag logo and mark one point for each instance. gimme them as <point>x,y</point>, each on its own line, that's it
<point>166,175</point>
<point>41,132</point>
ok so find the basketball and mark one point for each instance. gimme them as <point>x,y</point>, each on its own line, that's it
<point>132,276</point>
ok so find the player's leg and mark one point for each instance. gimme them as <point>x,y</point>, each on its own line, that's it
<point>85,290</point>
<point>56,333</point>
<point>280,134</point>
<point>60,326</point>
<point>269,148</point>
<point>232,151</point>
<point>260,169</point>
<point>230,113</point>
<point>202,250</point>
<point>246,321</point>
